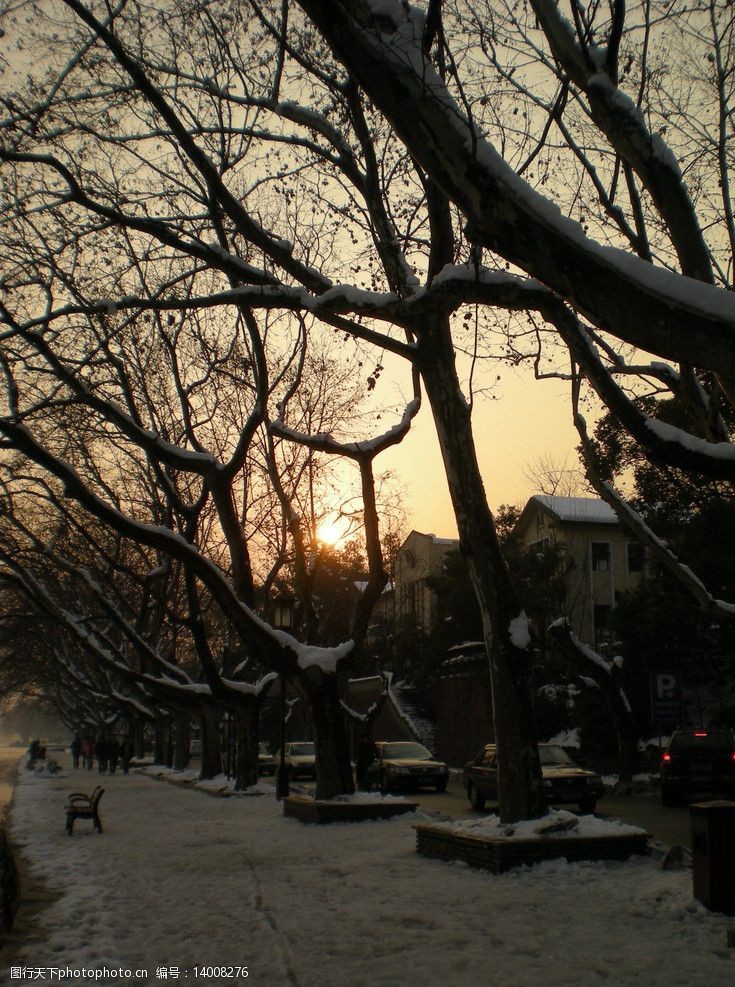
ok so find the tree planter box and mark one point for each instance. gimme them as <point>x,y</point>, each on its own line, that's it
<point>498,855</point>
<point>313,811</point>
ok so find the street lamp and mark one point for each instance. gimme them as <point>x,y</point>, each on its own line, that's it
<point>282,620</point>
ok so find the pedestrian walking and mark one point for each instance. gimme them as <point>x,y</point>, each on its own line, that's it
<point>87,753</point>
<point>35,754</point>
<point>75,747</point>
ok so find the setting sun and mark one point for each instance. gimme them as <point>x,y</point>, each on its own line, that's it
<point>330,532</point>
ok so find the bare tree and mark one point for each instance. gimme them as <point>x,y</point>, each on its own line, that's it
<point>366,172</point>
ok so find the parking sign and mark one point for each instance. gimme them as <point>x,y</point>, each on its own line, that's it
<point>666,690</point>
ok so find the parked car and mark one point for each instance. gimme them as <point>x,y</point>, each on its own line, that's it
<point>698,762</point>
<point>266,761</point>
<point>405,764</point>
<point>300,759</point>
<point>564,781</point>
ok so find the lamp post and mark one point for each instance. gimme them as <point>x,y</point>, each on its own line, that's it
<point>230,743</point>
<point>282,620</point>
<point>282,788</point>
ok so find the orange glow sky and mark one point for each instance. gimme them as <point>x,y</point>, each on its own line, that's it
<point>530,419</point>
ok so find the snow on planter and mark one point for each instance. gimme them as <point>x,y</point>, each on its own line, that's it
<point>489,844</point>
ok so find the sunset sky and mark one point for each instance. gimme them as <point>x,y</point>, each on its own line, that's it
<point>529,420</point>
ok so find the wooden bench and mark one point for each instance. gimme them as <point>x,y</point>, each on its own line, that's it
<point>81,806</point>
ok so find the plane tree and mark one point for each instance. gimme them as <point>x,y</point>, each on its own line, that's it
<point>215,659</point>
<point>408,179</point>
<point>95,624</point>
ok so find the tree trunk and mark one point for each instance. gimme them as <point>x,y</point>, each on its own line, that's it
<point>137,734</point>
<point>519,772</point>
<point>182,731</point>
<point>333,766</point>
<point>160,746</point>
<point>629,757</point>
<point>246,758</point>
<point>586,663</point>
<point>211,765</point>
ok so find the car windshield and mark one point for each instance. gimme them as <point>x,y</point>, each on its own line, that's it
<point>406,750</point>
<point>717,740</point>
<point>550,754</point>
<point>263,748</point>
<point>301,750</point>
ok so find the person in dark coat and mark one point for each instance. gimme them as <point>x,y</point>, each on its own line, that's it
<point>34,753</point>
<point>88,753</point>
<point>126,753</point>
<point>103,748</point>
<point>75,747</point>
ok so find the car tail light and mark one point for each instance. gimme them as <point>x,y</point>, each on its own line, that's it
<point>700,733</point>
<point>732,756</point>
<point>667,757</point>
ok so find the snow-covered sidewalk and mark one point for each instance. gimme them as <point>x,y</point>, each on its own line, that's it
<point>180,880</point>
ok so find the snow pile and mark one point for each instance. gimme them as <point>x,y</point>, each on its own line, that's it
<point>178,880</point>
<point>519,631</point>
<point>48,769</point>
<point>566,738</point>
<point>556,824</point>
<point>219,784</point>
<point>654,743</point>
<point>160,771</point>
<point>646,781</point>
<point>358,797</point>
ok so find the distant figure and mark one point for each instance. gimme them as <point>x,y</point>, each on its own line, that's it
<point>126,754</point>
<point>87,753</point>
<point>35,753</point>
<point>47,767</point>
<point>103,754</point>
<point>113,753</point>
<point>75,747</point>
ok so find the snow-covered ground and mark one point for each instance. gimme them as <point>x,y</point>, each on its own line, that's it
<point>180,879</point>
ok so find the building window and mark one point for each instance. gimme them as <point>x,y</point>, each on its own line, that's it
<point>600,556</point>
<point>414,598</point>
<point>636,556</point>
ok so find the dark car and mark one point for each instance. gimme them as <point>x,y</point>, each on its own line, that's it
<point>266,761</point>
<point>405,764</point>
<point>564,781</point>
<point>698,762</point>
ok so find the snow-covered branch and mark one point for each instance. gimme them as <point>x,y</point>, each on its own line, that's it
<point>276,646</point>
<point>659,311</point>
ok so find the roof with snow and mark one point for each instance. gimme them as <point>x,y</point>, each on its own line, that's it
<point>430,536</point>
<point>582,510</point>
<point>444,541</point>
